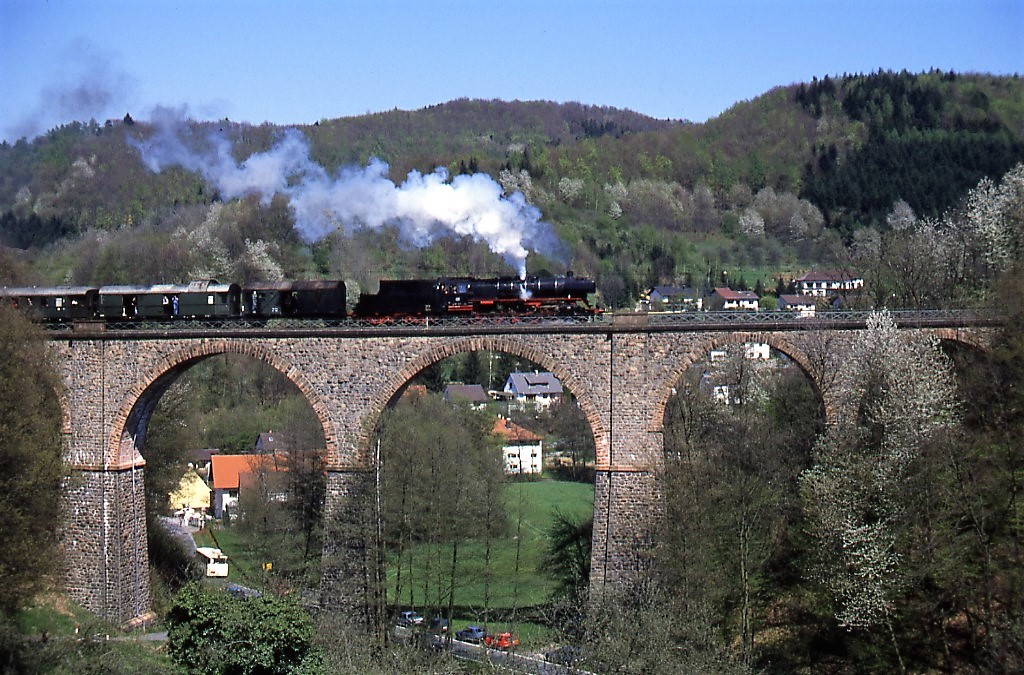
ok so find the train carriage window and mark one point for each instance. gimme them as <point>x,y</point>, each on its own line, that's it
<point>58,303</point>
<point>209,299</point>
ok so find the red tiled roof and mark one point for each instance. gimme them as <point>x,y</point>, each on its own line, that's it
<point>414,392</point>
<point>226,468</point>
<point>729,294</point>
<point>511,431</point>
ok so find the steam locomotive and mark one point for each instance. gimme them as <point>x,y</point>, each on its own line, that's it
<point>418,298</point>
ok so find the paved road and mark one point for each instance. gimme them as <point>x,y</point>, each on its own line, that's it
<point>522,663</point>
<point>180,532</point>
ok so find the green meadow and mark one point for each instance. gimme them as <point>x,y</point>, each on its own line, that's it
<point>511,574</point>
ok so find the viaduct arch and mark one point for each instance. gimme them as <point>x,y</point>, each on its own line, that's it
<point>621,376</point>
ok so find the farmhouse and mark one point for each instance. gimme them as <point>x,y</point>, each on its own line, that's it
<point>803,304</point>
<point>726,298</point>
<point>522,450</point>
<point>472,395</point>
<point>824,283</point>
<point>191,492</point>
<point>233,473</point>
<point>673,299</point>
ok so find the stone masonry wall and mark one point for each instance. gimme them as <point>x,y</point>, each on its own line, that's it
<point>348,584</point>
<point>626,515</point>
<point>103,542</point>
<point>622,382</point>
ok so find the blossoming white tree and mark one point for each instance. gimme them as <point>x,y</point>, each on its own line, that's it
<point>900,394</point>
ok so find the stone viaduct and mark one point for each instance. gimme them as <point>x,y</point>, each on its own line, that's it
<point>622,371</point>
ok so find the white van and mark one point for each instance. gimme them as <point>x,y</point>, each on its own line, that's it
<point>216,563</point>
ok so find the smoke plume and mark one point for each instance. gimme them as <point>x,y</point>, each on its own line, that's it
<point>92,86</point>
<point>424,207</point>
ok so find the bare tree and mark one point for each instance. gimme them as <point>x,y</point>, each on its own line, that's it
<point>730,475</point>
<point>440,470</point>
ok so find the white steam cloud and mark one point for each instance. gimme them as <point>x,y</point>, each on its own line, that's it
<point>423,207</point>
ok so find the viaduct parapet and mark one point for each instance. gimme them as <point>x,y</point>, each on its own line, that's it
<point>622,376</point>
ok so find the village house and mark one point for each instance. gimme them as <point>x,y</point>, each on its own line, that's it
<point>673,299</point>
<point>537,389</point>
<point>752,351</point>
<point>825,283</point>
<point>522,450</point>
<point>472,395</point>
<point>413,393</point>
<point>728,299</point>
<point>720,377</point>
<point>199,460</point>
<point>802,304</point>
<point>232,473</point>
<point>269,443</point>
<point>757,351</point>
<point>190,499</point>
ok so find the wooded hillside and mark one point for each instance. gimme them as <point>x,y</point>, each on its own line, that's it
<point>767,189</point>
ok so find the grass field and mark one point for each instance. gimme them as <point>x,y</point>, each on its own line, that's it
<point>504,582</point>
<point>47,642</point>
<point>244,562</point>
<point>483,589</point>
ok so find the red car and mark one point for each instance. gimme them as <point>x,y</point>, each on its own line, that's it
<point>501,641</point>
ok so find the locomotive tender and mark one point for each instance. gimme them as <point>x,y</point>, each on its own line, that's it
<point>419,298</point>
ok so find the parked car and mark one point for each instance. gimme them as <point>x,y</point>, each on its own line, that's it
<point>471,634</point>
<point>501,641</point>
<point>242,592</point>
<point>409,618</point>
<point>439,624</point>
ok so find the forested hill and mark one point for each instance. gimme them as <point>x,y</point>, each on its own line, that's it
<point>638,200</point>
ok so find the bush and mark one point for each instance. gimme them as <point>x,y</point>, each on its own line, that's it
<point>212,632</point>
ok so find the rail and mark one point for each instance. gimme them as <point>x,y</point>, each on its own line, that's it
<point>828,320</point>
<point>617,322</point>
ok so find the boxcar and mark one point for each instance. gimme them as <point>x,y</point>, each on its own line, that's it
<point>269,299</point>
<point>413,297</point>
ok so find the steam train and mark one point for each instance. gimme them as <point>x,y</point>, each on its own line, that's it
<point>418,298</point>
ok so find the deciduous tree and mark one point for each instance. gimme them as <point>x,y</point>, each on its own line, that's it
<point>30,454</point>
<point>900,395</point>
<point>440,471</point>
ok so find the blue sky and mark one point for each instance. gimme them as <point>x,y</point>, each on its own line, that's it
<point>297,61</point>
